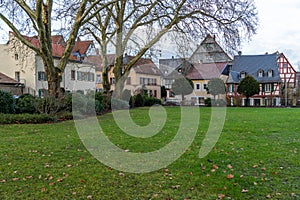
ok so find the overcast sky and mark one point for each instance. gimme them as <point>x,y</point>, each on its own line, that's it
<point>279,30</point>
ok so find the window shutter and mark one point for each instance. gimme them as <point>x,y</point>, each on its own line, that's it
<point>45,76</point>
<point>39,76</point>
<point>263,87</point>
<point>232,87</point>
<point>272,87</point>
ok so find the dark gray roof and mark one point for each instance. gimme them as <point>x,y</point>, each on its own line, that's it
<point>252,64</point>
<point>167,66</point>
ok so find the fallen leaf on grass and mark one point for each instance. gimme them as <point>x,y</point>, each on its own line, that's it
<point>215,166</point>
<point>229,166</point>
<point>230,176</point>
<point>244,190</point>
<point>3,181</point>
<point>175,186</point>
<point>255,166</point>
<point>263,169</point>
<point>89,197</point>
<point>268,196</point>
<point>59,180</point>
<point>155,195</point>
<point>15,179</point>
<point>221,196</point>
<point>121,174</point>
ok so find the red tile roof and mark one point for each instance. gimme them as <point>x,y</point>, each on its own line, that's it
<point>205,71</point>
<point>58,45</point>
<point>6,79</point>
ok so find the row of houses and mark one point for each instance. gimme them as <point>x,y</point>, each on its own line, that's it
<point>22,71</point>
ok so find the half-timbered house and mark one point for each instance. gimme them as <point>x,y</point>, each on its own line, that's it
<point>264,68</point>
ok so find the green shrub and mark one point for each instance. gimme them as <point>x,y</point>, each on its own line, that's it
<point>66,102</point>
<point>150,101</point>
<point>207,102</point>
<point>119,104</point>
<point>48,105</point>
<point>26,104</point>
<point>25,118</point>
<point>139,101</point>
<point>7,102</point>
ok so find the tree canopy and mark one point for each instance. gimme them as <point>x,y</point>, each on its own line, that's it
<point>36,18</point>
<point>216,86</point>
<point>182,86</point>
<point>248,87</point>
<point>119,21</point>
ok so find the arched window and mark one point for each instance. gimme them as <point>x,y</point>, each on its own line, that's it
<point>270,73</point>
<point>260,73</point>
<point>243,74</point>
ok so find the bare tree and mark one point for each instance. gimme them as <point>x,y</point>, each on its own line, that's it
<point>231,20</point>
<point>35,17</point>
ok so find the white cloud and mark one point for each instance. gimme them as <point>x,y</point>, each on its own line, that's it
<point>278,30</point>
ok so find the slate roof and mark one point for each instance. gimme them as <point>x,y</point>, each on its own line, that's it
<point>206,71</point>
<point>167,66</point>
<point>252,64</point>
<point>7,80</point>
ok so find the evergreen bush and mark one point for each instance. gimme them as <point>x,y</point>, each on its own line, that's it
<point>7,102</point>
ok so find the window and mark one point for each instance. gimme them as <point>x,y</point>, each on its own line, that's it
<point>147,81</point>
<point>16,56</point>
<point>112,80</point>
<point>243,74</point>
<point>155,93</point>
<point>260,73</point>
<point>17,76</point>
<point>91,76</point>
<point>270,73</point>
<point>72,74</point>
<point>98,78</point>
<point>42,76</point>
<point>231,87</point>
<point>197,87</point>
<point>269,87</point>
<point>204,87</point>
<point>85,76</point>
<point>128,80</point>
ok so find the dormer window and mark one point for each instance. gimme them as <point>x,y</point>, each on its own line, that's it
<point>260,73</point>
<point>270,73</point>
<point>243,74</point>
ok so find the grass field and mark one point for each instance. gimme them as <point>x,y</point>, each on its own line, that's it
<point>256,157</point>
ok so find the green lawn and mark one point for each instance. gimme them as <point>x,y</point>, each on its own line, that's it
<point>256,157</point>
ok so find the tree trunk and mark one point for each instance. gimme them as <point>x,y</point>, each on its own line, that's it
<point>54,80</point>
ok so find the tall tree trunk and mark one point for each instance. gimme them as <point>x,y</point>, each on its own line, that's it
<point>54,79</point>
<point>105,65</point>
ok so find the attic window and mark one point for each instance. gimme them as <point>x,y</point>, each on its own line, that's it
<point>209,46</point>
<point>260,73</point>
<point>243,74</point>
<point>270,73</point>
